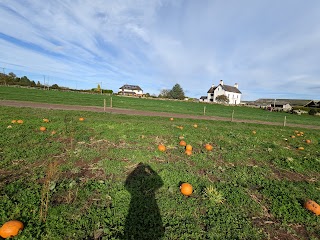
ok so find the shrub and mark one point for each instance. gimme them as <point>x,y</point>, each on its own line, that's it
<point>312,112</point>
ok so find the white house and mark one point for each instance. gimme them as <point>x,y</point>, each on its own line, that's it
<point>130,90</point>
<point>232,93</point>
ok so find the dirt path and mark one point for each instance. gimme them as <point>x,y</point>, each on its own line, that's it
<point>140,113</point>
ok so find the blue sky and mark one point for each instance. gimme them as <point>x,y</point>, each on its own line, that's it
<point>270,48</point>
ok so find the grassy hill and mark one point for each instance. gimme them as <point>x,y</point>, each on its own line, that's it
<point>194,108</point>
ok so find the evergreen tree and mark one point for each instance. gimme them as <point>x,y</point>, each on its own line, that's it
<point>177,92</point>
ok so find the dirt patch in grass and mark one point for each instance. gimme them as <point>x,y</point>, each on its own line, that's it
<point>283,174</point>
<point>275,231</point>
<point>85,170</point>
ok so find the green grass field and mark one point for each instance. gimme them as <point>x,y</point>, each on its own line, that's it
<point>72,98</point>
<point>104,178</point>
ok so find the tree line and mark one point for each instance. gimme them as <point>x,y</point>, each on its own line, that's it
<point>12,79</point>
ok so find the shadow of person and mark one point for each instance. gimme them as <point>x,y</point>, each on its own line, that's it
<point>143,220</point>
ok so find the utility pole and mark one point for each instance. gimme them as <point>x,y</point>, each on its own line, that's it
<point>5,81</point>
<point>44,82</point>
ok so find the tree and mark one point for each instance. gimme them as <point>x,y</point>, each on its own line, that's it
<point>98,89</point>
<point>55,86</point>
<point>177,92</point>
<point>222,99</point>
<point>164,93</point>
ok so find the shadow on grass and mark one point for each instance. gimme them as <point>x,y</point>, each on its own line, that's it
<point>144,219</point>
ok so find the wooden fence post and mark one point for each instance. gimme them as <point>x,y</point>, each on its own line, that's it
<point>285,121</point>
<point>232,115</point>
<point>204,110</point>
<point>104,105</point>
<point>111,102</point>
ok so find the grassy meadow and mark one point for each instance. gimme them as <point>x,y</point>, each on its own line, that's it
<point>184,107</point>
<point>104,177</point>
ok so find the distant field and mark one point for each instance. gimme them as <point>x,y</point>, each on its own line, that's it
<point>104,177</point>
<point>72,98</point>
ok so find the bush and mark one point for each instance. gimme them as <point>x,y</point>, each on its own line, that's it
<point>312,112</point>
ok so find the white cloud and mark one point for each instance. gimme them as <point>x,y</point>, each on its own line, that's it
<point>263,45</point>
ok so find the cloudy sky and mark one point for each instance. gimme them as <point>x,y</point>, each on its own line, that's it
<point>271,48</point>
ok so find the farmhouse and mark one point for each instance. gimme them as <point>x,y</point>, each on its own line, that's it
<point>313,104</point>
<point>231,92</point>
<point>130,90</point>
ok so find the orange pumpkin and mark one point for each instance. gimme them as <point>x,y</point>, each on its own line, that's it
<point>20,121</point>
<point>189,147</point>
<point>171,119</point>
<point>293,136</point>
<point>161,147</point>
<point>81,119</point>
<point>11,228</point>
<point>308,141</point>
<point>188,152</point>
<point>195,125</point>
<point>208,147</point>
<point>312,206</point>
<point>186,189</point>
<point>46,120</point>
<point>182,143</point>
<point>300,148</point>
<point>42,129</point>
<point>13,121</point>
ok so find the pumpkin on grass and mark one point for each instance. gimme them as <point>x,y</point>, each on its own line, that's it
<point>189,147</point>
<point>312,206</point>
<point>188,152</point>
<point>81,119</point>
<point>208,147</point>
<point>11,228</point>
<point>161,147</point>
<point>20,121</point>
<point>186,189</point>
<point>182,143</point>
<point>42,129</point>
<point>46,120</point>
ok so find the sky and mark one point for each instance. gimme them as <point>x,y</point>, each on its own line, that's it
<point>271,48</point>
